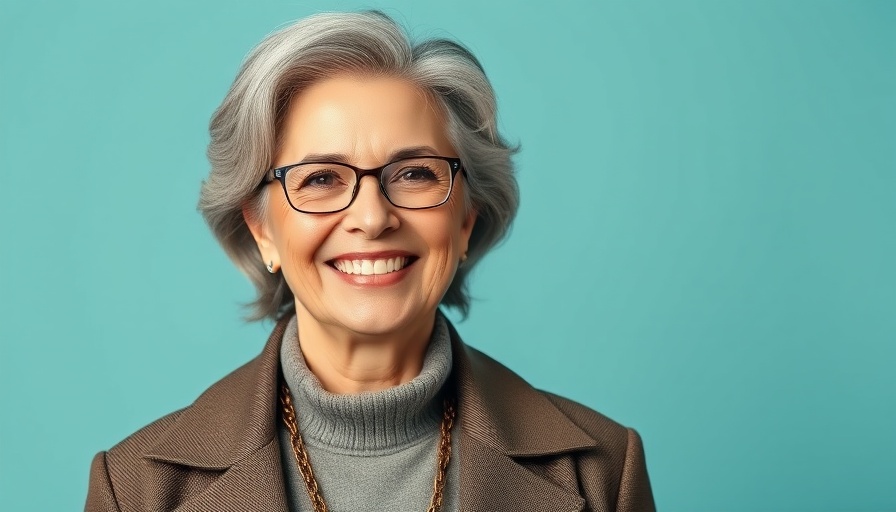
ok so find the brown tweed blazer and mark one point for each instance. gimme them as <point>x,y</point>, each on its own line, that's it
<point>520,449</point>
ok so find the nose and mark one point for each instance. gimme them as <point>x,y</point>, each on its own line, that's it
<point>370,213</point>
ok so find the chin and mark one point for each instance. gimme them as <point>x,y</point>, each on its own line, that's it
<point>375,323</point>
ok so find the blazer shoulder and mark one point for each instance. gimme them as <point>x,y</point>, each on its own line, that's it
<point>133,446</point>
<point>562,440</point>
<point>137,443</point>
<point>618,458</point>
<point>587,419</point>
<point>116,473</point>
<point>603,429</point>
<point>504,385</point>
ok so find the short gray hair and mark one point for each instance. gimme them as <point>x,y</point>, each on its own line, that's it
<point>244,133</point>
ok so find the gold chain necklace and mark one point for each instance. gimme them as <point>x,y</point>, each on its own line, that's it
<point>304,464</point>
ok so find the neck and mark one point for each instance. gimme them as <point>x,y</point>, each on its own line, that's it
<point>348,362</point>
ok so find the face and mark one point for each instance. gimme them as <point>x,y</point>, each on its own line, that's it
<point>364,121</point>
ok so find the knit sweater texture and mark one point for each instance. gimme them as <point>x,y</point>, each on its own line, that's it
<point>373,451</point>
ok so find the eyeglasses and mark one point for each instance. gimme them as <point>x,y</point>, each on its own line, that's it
<point>328,187</point>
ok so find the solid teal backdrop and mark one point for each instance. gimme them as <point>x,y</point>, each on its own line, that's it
<point>705,249</point>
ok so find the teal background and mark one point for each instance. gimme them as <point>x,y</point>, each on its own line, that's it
<point>705,249</point>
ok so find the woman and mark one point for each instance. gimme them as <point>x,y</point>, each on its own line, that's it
<point>356,180</point>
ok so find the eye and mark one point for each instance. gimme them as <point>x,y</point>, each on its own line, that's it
<point>416,173</point>
<point>321,179</point>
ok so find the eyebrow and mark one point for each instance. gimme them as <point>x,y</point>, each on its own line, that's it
<point>342,158</point>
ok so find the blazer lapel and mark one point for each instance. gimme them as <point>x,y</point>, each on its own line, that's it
<point>491,481</point>
<point>505,423</point>
<point>254,483</point>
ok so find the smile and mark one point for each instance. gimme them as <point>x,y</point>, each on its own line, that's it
<point>372,267</point>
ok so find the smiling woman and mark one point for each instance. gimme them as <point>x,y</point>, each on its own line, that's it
<point>370,121</point>
<point>356,179</point>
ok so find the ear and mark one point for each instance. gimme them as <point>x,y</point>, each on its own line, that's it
<point>262,235</point>
<point>466,228</point>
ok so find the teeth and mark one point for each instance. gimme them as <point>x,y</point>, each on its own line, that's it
<point>370,267</point>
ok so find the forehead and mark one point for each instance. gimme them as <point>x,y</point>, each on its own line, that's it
<point>364,118</point>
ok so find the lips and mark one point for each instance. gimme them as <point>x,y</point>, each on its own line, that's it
<point>372,264</point>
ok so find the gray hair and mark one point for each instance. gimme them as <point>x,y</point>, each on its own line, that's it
<point>244,133</point>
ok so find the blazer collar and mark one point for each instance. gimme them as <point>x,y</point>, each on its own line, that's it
<point>233,426</point>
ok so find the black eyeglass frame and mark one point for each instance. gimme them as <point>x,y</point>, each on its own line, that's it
<point>279,174</point>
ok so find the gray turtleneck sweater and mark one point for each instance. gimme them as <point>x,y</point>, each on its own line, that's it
<point>371,451</point>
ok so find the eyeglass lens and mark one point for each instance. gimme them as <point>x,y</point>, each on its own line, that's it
<point>326,187</point>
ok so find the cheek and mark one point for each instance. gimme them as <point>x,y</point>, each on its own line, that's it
<point>298,253</point>
<point>299,245</point>
<point>298,239</point>
<point>444,239</point>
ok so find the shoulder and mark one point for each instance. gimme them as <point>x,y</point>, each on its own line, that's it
<point>127,452</point>
<point>592,422</point>
<point>617,457</point>
<point>231,424</point>
<point>125,471</point>
<point>511,387</point>
<point>117,473</point>
<point>222,391</point>
<point>562,440</point>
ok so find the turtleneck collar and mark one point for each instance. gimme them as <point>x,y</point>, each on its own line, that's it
<point>375,423</point>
